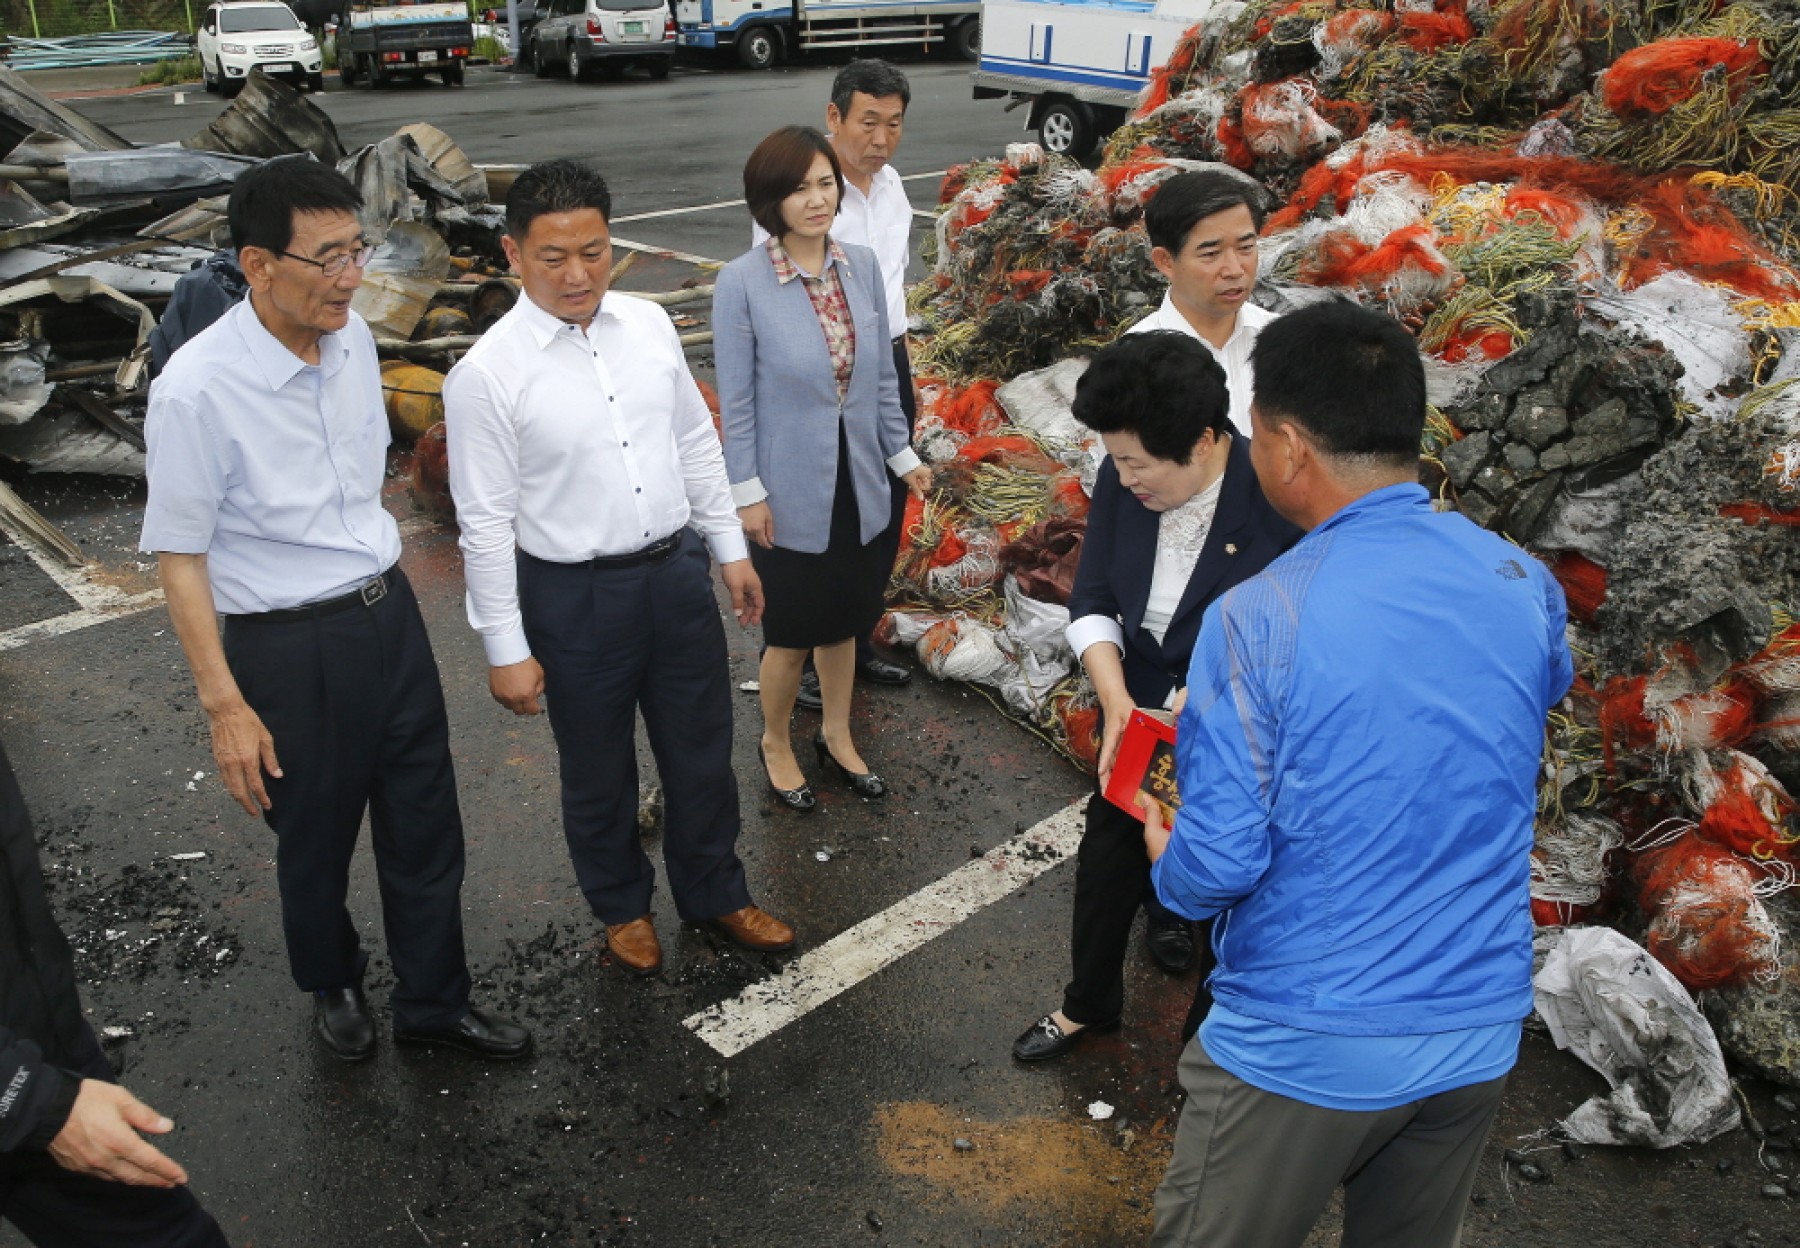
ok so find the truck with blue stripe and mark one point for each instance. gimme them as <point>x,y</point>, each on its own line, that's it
<point>762,32</point>
<point>1079,64</point>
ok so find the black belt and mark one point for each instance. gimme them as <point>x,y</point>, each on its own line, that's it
<point>655,552</point>
<point>365,595</point>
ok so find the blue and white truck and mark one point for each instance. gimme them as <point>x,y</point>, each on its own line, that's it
<point>762,32</point>
<point>1079,64</point>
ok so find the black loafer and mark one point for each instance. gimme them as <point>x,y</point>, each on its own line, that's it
<point>1171,944</point>
<point>882,672</point>
<point>484,1035</point>
<point>1044,1040</point>
<point>809,696</point>
<point>342,1019</point>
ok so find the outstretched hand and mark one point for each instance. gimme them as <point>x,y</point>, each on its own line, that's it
<point>101,1139</point>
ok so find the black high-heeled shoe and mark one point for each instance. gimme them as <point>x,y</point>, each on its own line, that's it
<point>863,784</point>
<point>800,799</point>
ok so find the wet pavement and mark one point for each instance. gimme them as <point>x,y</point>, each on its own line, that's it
<point>623,1128</point>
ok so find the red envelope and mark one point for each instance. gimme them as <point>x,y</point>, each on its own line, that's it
<point>1146,764</point>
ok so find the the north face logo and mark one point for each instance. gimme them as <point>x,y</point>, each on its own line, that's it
<point>1511,570</point>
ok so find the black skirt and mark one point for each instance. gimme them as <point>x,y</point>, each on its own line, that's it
<point>819,600</point>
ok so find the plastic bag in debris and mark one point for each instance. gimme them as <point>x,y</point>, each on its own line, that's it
<point>1695,322</point>
<point>1038,627</point>
<point>1620,1011</point>
<point>1040,401</point>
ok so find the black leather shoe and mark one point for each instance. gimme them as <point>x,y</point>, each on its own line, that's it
<point>342,1018</point>
<point>800,799</point>
<point>1044,1040</point>
<point>485,1035</point>
<point>809,696</point>
<point>1171,944</point>
<point>863,783</point>
<point>882,672</point>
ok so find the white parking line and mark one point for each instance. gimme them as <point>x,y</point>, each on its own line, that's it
<point>764,1008</point>
<point>738,203</point>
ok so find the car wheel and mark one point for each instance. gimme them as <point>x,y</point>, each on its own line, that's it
<point>207,81</point>
<point>965,40</point>
<point>1065,129</point>
<point>378,75</point>
<point>573,62</point>
<point>540,64</point>
<point>316,83</point>
<point>453,75</point>
<point>758,48</point>
<point>229,87</point>
<point>660,67</point>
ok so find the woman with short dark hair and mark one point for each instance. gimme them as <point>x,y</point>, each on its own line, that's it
<point>810,407</point>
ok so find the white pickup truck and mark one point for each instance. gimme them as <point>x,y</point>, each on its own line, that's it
<point>763,31</point>
<point>1079,64</point>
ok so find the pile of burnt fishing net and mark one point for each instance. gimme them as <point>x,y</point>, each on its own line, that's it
<point>1586,211</point>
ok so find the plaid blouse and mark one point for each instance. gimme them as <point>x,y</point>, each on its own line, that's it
<point>829,303</point>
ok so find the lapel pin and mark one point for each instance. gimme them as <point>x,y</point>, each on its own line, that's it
<point>1231,548</point>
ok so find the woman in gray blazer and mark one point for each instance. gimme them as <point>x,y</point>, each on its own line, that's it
<point>810,406</point>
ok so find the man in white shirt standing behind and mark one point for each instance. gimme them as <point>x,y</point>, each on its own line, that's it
<point>1203,227</point>
<point>580,454</point>
<point>865,119</point>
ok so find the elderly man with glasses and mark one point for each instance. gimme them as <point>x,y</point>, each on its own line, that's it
<point>267,450</point>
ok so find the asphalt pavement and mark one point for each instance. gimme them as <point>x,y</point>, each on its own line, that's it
<point>889,1114</point>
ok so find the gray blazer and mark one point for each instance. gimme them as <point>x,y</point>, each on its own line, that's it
<point>778,400</point>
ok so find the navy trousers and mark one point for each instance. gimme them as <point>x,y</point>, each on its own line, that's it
<point>614,641</point>
<point>57,1208</point>
<point>356,708</point>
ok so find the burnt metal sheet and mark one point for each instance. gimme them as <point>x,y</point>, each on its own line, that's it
<point>269,118</point>
<point>163,173</point>
<point>24,111</point>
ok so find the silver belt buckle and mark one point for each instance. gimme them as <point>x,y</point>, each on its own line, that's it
<point>373,592</point>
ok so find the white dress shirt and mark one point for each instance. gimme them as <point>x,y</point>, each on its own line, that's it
<point>1233,357</point>
<point>572,444</point>
<point>882,222</point>
<point>269,466</point>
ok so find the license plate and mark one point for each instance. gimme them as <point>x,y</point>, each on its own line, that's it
<point>633,28</point>
<point>426,58</point>
<point>280,69</point>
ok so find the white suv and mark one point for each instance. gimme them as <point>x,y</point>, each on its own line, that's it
<point>240,35</point>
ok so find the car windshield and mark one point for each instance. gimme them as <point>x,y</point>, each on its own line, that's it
<point>261,17</point>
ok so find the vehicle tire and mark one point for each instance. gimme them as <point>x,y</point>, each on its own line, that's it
<point>572,62</point>
<point>229,87</point>
<point>378,76</point>
<point>1065,128</point>
<point>316,83</point>
<point>660,67</point>
<point>965,40</point>
<point>758,48</point>
<point>453,74</point>
<point>207,81</point>
<point>540,64</point>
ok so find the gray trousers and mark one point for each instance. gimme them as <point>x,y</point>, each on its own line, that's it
<point>1254,1170</point>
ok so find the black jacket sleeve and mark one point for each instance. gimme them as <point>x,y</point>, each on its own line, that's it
<point>1093,593</point>
<point>35,1096</point>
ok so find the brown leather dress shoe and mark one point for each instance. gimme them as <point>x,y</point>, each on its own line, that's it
<point>635,945</point>
<point>753,929</point>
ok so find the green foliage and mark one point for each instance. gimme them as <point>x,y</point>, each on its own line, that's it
<point>61,18</point>
<point>489,48</point>
<point>174,70</point>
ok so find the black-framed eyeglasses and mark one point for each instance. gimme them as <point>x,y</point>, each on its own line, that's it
<point>337,264</point>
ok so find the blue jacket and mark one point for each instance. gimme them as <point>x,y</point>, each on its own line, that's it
<point>778,399</point>
<point>1358,760</point>
<point>1118,558</point>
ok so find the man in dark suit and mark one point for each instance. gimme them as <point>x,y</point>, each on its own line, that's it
<point>1177,519</point>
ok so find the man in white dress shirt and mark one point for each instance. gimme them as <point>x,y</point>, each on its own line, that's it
<point>590,485</point>
<point>865,119</point>
<point>267,445</point>
<point>1203,228</point>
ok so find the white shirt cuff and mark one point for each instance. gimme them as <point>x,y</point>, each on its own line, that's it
<point>505,649</point>
<point>904,462</point>
<point>1092,629</point>
<point>728,545</point>
<point>744,493</point>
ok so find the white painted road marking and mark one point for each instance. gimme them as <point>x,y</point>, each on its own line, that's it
<point>764,1008</point>
<point>738,203</point>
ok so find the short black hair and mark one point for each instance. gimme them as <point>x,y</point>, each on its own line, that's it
<point>780,163</point>
<point>1349,376</point>
<point>1187,199</point>
<point>265,198</point>
<point>873,78</point>
<point>1162,386</point>
<point>554,186</point>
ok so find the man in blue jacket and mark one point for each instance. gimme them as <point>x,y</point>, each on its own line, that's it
<point>1358,758</point>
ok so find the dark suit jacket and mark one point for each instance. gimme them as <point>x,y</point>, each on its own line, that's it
<point>1118,556</point>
